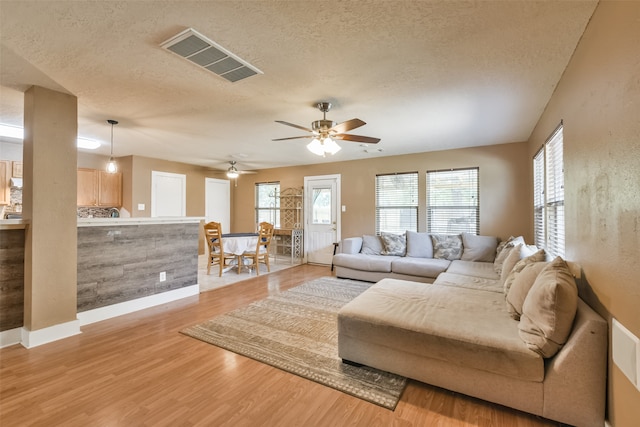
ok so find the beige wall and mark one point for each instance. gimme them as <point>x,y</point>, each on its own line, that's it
<point>140,170</point>
<point>505,172</point>
<point>598,98</point>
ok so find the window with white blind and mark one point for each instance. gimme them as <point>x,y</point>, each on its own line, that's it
<point>548,195</point>
<point>268,203</point>
<point>397,202</point>
<point>453,203</point>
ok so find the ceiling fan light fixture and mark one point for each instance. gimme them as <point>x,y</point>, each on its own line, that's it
<point>330,146</point>
<point>324,146</point>
<point>315,146</point>
<point>232,172</point>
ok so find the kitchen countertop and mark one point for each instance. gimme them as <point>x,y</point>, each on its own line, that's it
<point>102,222</point>
<point>13,224</point>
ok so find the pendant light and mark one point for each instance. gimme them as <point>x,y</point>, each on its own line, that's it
<point>112,166</point>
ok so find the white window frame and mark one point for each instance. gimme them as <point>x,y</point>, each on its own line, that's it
<point>393,209</point>
<point>270,206</point>
<point>548,195</point>
<point>457,206</point>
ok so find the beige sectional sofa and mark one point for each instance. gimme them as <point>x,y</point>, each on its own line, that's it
<point>461,333</point>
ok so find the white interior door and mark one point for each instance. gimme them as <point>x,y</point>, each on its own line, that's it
<point>322,222</point>
<point>218,202</point>
<point>168,194</point>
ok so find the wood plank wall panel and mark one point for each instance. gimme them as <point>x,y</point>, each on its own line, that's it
<point>122,263</point>
<point>11,279</point>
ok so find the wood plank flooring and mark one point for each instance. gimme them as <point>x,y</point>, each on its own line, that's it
<point>138,370</point>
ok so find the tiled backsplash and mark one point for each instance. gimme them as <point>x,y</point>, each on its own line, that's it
<point>93,212</point>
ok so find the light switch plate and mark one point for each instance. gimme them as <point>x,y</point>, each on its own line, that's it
<point>140,206</point>
<point>626,352</point>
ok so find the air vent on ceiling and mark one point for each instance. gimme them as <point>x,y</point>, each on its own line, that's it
<point>203,52</point>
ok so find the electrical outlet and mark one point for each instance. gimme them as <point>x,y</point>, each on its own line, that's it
<point>163,276</point>
<point>625,349</point>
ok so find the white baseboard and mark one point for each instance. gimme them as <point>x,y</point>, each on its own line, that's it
<point>32,339</point>
<point>104,313</point>
<point>10,337</point>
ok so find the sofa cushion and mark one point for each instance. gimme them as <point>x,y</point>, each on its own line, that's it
<point>463,327</point>
<point>470,282</point>
<point>371,245</point>
<point>394,244</point>
<point>504,249</point>
<point>376,263</point>
<point>425,267</point>
<point>475,269</point>
<point>549,309</point>
<point>519,289</point>
<point>419,245</point>
<point>539,256</point>
<point>478,248</point>
<point>447,246</point>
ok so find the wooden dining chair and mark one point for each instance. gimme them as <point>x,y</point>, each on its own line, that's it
<point>261,254</point>
<point>213,235</point>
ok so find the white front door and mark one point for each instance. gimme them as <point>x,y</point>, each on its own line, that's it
<point>322,223</point>
<point>168,194</point>
<point>218,202</point>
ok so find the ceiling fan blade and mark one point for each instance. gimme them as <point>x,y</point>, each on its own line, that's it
<point>293,137</point>
<point>294,126</point>
<point>356,138</point>
<point>347,126</point>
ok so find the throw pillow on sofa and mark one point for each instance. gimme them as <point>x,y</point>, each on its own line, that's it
<point>520,256</point>
<point>549,309</point>
<point>478,248</point>
<point>447,246</point>
<point>371,245</point>
<point>394,244</point>
<point>503,251</point>
<point>519,289</point>
<point>419,245</point>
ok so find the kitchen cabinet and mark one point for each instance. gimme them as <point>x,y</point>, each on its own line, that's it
<point>99,188</point>
<point>5,176</point>
<point>109,189</point>
<point>16,169</point>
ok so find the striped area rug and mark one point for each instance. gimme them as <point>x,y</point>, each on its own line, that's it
<point>296,331</point>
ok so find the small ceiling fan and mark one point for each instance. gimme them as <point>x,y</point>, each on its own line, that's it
<point>233,172</point>
<point>324,132</point>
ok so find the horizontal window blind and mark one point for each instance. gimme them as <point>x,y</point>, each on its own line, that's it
<point>548,195</point>
<point>538,200</point>
<point>268,203</point>
<point>453,204</point>
<point>397,202</point>
<point>555,194</point>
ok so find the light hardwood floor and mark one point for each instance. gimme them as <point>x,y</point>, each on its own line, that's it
<point>138,370</point>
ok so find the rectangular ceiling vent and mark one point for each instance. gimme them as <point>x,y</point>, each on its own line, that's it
<point>207,54</point>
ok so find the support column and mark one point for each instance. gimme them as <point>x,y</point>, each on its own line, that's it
<point>49,193</point>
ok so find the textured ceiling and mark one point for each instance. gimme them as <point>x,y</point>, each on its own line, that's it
<point>424,75</point>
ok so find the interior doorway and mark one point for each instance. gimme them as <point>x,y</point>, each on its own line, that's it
<point>168,194</point>
<point>218,202</point>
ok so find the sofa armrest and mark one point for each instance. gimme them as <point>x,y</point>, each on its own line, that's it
<point>351,245</point>
<point>577,374</point>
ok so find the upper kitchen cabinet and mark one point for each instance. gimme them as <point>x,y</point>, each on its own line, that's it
<point>16,169</point>
<point>99,188</point>
<point>109,189</point>
<point>5,176</point>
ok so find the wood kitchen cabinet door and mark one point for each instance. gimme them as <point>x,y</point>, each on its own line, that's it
<point>87,187</point>
<point>5,175</point>
<point>110,189</point>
